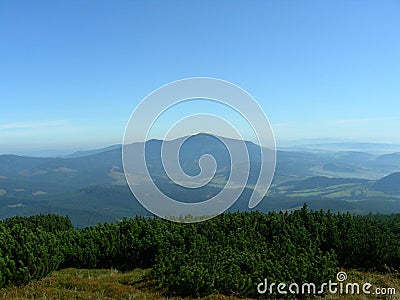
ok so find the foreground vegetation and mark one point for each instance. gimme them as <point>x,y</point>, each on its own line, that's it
<point>227,255</point>
<point>88,284</point>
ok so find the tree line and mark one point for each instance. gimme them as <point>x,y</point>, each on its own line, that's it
<point>229,254</point>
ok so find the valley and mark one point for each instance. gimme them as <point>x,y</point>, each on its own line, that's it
<point>90,186</point>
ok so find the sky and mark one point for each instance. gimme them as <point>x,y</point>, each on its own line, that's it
<point>72,72</point>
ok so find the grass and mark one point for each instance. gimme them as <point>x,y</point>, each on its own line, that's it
<point>112,284</point>
<point>341,189</point>
<point>346,191</point>
<point>87,284</point>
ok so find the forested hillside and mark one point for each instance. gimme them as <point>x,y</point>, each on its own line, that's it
<point>229,254</point>
<point>90,186</point>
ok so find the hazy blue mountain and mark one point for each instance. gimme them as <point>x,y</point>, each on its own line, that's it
<point>389,159</point>
<point>90,186</point>
<point>332,145</point>
<point>92,152</point>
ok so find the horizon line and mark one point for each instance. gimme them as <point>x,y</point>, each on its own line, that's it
<point>63,151</point>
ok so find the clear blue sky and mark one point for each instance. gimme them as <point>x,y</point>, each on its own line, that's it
<point>71,72</point>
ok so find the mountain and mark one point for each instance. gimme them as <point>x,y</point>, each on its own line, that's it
<point>14,164</point>
<point>90,186</point>
<point>389,159</point>
<point>389,184</point>
<point>92,152</point>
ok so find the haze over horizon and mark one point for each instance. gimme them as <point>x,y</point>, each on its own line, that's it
<point>323,144</point>
<point>72,73</point>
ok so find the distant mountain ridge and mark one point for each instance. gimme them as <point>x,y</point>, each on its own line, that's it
<point>83,153</point>
<point>91,185</point>
<point>373,148</point>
